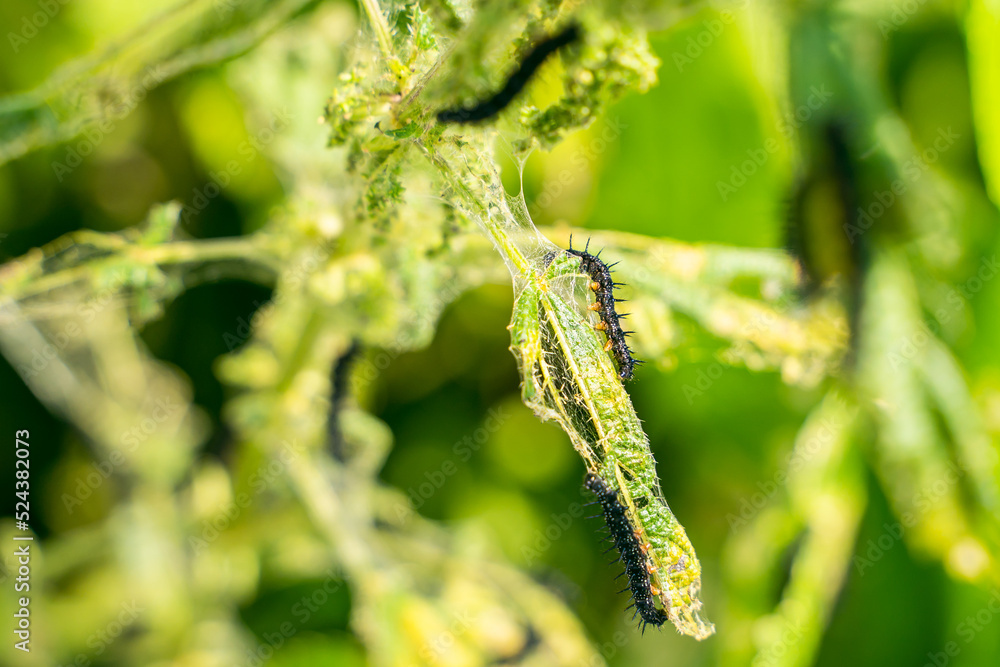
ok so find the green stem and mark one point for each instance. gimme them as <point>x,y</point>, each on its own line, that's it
<point>181,252</point>
<point>380,26</point>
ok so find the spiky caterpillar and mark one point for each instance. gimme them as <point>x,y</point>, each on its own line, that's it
<point>631,550</point>
<point>567,376</point>
<point>603,286</point>
<point>518,80</point>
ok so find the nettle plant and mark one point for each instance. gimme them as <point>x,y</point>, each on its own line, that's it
<point>362,263</point>
<point>567,374</point>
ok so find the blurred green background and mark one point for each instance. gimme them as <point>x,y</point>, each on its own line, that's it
<point>650,165</point>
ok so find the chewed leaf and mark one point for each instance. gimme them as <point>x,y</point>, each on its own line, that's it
<point>568,377</point>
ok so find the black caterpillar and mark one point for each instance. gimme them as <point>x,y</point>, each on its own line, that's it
<point>631,551</point>
<point>518,80</point>
<point>339,374</point>
<point>603,286</point>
